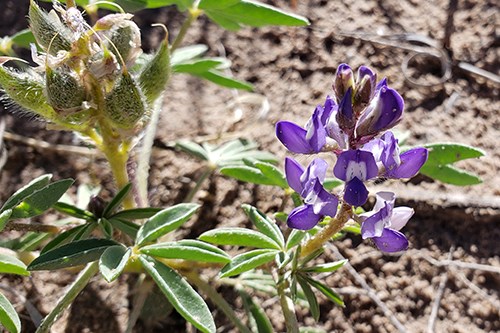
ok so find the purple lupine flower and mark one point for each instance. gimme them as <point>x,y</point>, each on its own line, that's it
<point>308,183</point>
<point>396,165</point>
<point>354,167</point>
<point>384,111</point>
<point>345,115</point>
<point>383,223</point>
<point>309,140</point>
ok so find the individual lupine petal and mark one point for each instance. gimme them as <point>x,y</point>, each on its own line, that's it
<point>382,83</point>
<point>384,198</point>
<point>303,218</point>
<point>293,137</point>
<point>400,216</point>
<point>373,225</point>
<point>328,108</point>
<point>391,241</point>
<point>322,201</point>
<point>384,112</point>
<point>333,131</point>
<point>344,80</point>
<point>316,169</point>
<point>355,163</point>
<point>390,154</point>
<point>316,133</point>
<point>345,115</point>
<point>355,193</point>
<point>411,162</point>
<point>293,171</point>
<point>376,147</point>
<point>365,85</point>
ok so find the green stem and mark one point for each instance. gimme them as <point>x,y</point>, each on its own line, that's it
<point>207,172</point>
<point>334,225</point>
<point>81,281</point>
<point>287,306</point>
<point>194,278</point>
<point>193,14</point>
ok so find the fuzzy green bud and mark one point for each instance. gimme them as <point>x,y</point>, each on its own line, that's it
<point>156,73</point>
<point>123,37</point>
<point>124,105</point>
<point>49,30</point>
<point>64,91</point>
<point>25,89</point>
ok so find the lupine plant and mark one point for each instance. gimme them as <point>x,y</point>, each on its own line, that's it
<point>94,80</point>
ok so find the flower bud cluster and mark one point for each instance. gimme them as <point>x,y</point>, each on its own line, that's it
<point>87,75</point>
<point>353,124</point>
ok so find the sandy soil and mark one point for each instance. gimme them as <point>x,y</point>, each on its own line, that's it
<point>293,68</point>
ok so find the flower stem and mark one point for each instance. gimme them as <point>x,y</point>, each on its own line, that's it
<point>195,278</point>
<point>81,281</point>
<point>334,226</point>
<point>193,14</point>
<point>207,172</point>
<point>287,306</point>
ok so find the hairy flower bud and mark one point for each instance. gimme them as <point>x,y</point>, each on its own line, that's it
<point>124,105</point>
<point>122,37</point>
<point>64,91</point>
<point>25,89</point>
<point>365,86</point>
<point>155,73</point>
<point>49,30</point>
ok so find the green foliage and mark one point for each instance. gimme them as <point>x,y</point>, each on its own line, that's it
<point>181,295</point>
<point>232,15</point>
<point>113,261</point>
<point>256,172</point>
<point>8,316</point>
<point>247,261</point>
<point>165,221</point>
<point>73,254</point>
<point>12,265</point>
<point>440,166</point>
<point>228,154</point>
<point>258,319</point>
<point>187,249</point>
<point>264,224</point>
<point>239,237</point>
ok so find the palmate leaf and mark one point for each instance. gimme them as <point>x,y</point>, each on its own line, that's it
<point>180,294</point>
<point>8,316</point>
<point>239,237</point>
<point>165,221</point>
<point>232,15</point>
<point>187,249</point>
<point>72,254</point>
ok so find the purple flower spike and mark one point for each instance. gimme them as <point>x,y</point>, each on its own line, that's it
<point>354,167</point>
<point>303,218</point>
<point>383,223</point>
<point>384,111</point>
